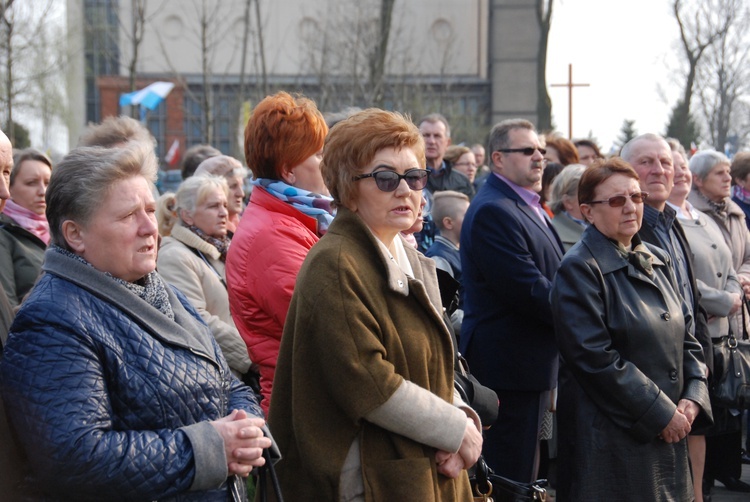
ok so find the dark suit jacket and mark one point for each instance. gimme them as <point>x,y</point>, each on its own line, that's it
<point>702,334</point>
<point>509,258</point>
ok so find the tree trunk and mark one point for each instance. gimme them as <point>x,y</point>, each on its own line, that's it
<point>544,103</point>
<point>10,130</point>
<point>241,91</point>
<point>377,60</point>
<point>259,27</point>
<point>207,90</point>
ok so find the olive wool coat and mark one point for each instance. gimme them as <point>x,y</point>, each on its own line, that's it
<point>627,359</point>
<point>356,330</point>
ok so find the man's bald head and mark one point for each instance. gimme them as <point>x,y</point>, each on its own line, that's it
<point>6,165</point>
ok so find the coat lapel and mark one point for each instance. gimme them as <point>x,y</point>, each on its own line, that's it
<point>529,213</point>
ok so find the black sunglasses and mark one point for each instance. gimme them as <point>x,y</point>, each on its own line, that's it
<point>528,151</point>
<point>388,181</point>
<point>620,200</point>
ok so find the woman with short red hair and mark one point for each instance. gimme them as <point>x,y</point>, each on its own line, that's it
<point>289,209</point>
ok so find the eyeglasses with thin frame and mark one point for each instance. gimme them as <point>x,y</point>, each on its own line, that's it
<point>387,181</point>
<point>528,151</point>
<point>469,164</point>
<point>620,200</point>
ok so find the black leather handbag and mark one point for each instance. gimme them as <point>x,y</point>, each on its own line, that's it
<point>486,486</point>
<point>731,386</point>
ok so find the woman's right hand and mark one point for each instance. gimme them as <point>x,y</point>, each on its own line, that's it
<point>676,429</point>
<point>243,441</point>
<point>471,445</point>
<point>451,464</point>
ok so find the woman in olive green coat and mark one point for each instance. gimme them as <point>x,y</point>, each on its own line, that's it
<point>363,406</point>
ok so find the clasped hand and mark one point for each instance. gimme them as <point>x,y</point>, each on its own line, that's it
<point>243,441</point>
<point>451,464</point>
<point>682,420</point>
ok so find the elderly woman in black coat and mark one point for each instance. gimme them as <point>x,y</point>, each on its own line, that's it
<point>632,377</point>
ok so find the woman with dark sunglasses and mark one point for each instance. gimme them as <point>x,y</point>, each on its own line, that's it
<point>363,402</point>
<point>632,379</point>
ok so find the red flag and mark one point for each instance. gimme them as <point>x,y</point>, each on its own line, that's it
<point>173,154</point>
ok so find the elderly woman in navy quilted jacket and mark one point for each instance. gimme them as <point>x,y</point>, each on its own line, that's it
<point>112,381</point>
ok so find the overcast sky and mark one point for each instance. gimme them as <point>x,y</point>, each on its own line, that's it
<point>625,50</point>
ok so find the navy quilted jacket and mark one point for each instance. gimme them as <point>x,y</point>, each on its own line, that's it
<point>111,398</point>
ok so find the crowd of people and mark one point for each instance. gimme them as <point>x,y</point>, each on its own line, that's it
<point>383,308</point>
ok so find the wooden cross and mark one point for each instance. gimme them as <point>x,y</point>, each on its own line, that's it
<point>570,86</point>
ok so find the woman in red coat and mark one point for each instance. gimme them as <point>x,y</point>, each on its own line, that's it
<point>289,209</point>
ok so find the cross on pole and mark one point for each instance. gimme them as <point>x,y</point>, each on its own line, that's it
<point>570,86</point>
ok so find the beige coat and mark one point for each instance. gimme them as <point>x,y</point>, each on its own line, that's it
<point>201,280</point>
<point>737,237</point>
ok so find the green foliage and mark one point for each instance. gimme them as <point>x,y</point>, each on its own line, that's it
<point>21,137</point>
<point>681,127</point>
<point>627,132</point>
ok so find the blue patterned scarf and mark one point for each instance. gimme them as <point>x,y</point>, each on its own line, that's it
<point>310,203</point>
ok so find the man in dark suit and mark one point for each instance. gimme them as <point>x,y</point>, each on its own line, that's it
<point>509,256</point>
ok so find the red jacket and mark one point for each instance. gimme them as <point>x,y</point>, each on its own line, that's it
<point>266,254</point>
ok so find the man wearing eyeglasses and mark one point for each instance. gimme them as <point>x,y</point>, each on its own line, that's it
<point>509,256</point>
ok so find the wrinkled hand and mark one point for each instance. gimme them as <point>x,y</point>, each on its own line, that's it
<point>449,464</point>
<point>243,441</point>
<point>688,408</point>
<point>745,282</point>
<point>676,429</point>
<point>471,445</point>
<point>736,302</point>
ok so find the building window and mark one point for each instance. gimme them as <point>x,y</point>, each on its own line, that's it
<point>102,53</point>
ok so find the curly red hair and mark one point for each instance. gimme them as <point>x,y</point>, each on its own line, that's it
<point>282,132</point>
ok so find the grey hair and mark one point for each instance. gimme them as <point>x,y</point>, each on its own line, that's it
<point>84,177</point>
<point>222,165</point>
<point>499,135</point>
<point>565,183</point>
<point>703,162</point>
<point>627,150</point>
<point>116,131</point>
<point>676,146</point>
<point>434,118</point>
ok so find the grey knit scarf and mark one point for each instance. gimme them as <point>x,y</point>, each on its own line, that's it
<point>150,288</point>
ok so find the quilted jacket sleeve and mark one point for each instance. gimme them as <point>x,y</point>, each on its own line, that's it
<point>62,412</point>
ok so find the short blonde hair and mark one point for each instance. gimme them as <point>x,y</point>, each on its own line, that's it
<point>353,143</point>
<point>446,204</point>
<point>191,193</point>
<point>565,183</point>
<point>455,152</point>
